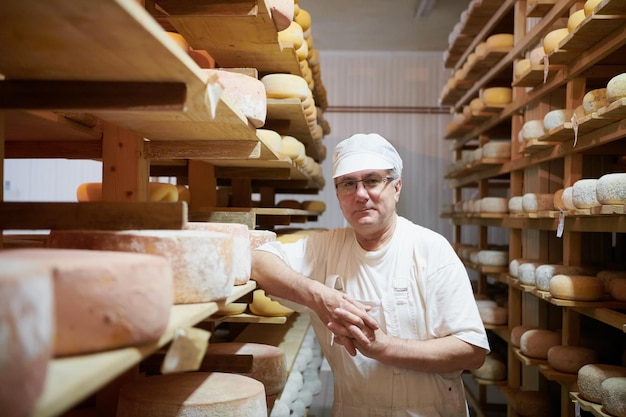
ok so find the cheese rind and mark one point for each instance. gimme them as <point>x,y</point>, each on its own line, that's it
<point>591,376</point>
<point>500,40</point>
<point>495,315</point>
<point>515,264</point>
<point>532,203</point>
<point>616,88</point>
<point>526,273</point>
<point>522,67</point>
<point>285,86</point>
<point>493,257</point>
<point>575,19</point>
<point>611,189</point>
<point>533,129</point>
<point>584,193</point>
<point>589,6</point>
<point>552,39</point>
<point>594,100</point>
<point>576,287</point>
<point>496,149</point>
<point>494,204</point>
<point>570,359</point>
<point>617,289</point>
<point>535,343</point>
<point>493,369</point>
<point>556,118</point>
<point>544,273</point>
<point>516,334</point>
<point>515,204</point>
<point>496,96</point>
<point>613,394</point>
<point>568,198</point>
<point>262,305</point>
<point>536,55</point>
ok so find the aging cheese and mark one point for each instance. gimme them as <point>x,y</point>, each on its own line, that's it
<point>515,204</point>
<point>262,305</point>
<point>532,203</point>
<point>533,129</point>
<point>495,96</point>
<point>517,332</point>
<point>617,289</point>
<point>576,287</point>
<point>183,193</point>
<point>589,6</point>
<point>570,359</point>
<point>568,198</point>
<point>271,139</point>
<point>476,105</point>
<point>544,273</point>
<point>313,205</point>
<point>494,204</point>
<point>494,315</point>
<point>26,320</point>
<point>268,365</point>
<point>552,39</point>
<point>496,149</point>
<point>611,189</point>
<point>584,193</point>
<point>526,273</point>
<point>594,100</point>
<point>500,41</point>
<point>535,343</point>
<point>556,118</point>
<point>616,88</point>
<point>232,309</point>
<point>575,19</point>
<point>515,264</point>
<point>292,148</point>
<point>613,393</point>
<point>557,201</point>
<point>193,394</point>
<point>532,404</point>
<point>104,300</point>
<point>285,86</point>
<point>293,34</point>
<point>202,262</point>
<point>608,275</point>
<point>481,50</point>
<point>493,369</point>
<point>282,12</point>
<point>591,376</point>
<point>304,19</point>
<point>493,258</point>
<point>536,55</point>
<point>157,191</point>
<point>522,67</point>
<point>261,237</point>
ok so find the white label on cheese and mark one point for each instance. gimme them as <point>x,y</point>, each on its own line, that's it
<point>575,126</point>
<point>561,226</point>
<point>546,66</point>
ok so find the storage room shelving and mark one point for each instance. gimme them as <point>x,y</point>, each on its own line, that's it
<point>103,81</point>
<point>587,58</point>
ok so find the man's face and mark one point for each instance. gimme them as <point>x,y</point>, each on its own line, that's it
<point>368,198</point>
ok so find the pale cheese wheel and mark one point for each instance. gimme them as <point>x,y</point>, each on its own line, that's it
<point>535,343</point>
<point>617,289</point>
<point>515,204</point>
<point>591,376</point>
<point>575,19</point>
<point>584,193</point>
<point>292,148</point>
<point>496,149</point>
<point>262,305</point>
<point>532,203</point>
<point>302,52</point>
<point>261,237</point>
<point>27,323</point>
<point>268,366</point>
<point>594,100</point>
<point>568,198</point>
<point>271,139</point>
<point>613,395</point>
<point>293,35</point>
<point>285,86</point>
<point>495,96</point>
<point>500,41</point>
<point>515,264</point>
<point>552,39</point>
<point>481,50</point>
<point>202,262</point>
<point>494,315</point>
<point>494,204</point>
<point>611,189</point>
<point>521,67</point>
<point>532,404</point>
<point>241,239</point>
<point>476,105</point>
<point>558,199</point>
<point>193,394</point>
<point>536,56</point>
<point>616,87</point>
<point>533,129</point>
<point>576,287</point>
<point>282,12</point>
<point>104,300</point>
<point>493,369</point>
<point>589,6</point>
<point>493,257</point>
<point>526,273</point>
<point>570,359</point>
<point>545,272</point>
<point>556,118</point>
<point>244,92</point>
<point>516,334</point>
<point>231,309</point>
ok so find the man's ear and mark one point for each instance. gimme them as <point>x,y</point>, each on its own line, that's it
<point>398,186</point>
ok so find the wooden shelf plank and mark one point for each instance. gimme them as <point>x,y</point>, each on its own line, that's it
<point>46,125</point>
<point>594,408</point>
<point>248,318</point>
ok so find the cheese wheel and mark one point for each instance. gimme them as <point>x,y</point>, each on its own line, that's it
<point>594,100</point>
<point>268,365</point>
<point>293,35</point>
<point>532,404</point>
<point>231,309</point>
<point>532,203</point>
<point>496,149</point>
<point>493,258</point>
<point>26,320</point>
<point>500,41</point>
<point>591,376</point>
<point>494,315</point>
<point>261,237</point>
<point>285,86</point>
<point>494,204</point>
<point>535,343</point>
<point>570,359</point>
<point>536,56</point>
<point>515,204</point>
<point>183,193</point>
<point>179,39</point>
<point>162,191</point>
<point>292,148</point>
<point>313,205</point>
<point>302,52</point>
<point>262,305</point>
<point>282,12</point>
<point>607,275</point>
<point>545,272</point>
<point>202,262</point>
<point>552,39</point>
<point>516,334</point>
<point>304,19</point>
<point>616,87</point>
<point>193,394</point>
<point>613,395</point>
<point>515,264</point>
<point>533,129</point>
<point>271,139</point>
<point>104,300</point>
<point>521,67</point>
<point>526,273</point>
<point>241,239</point>
<point>584,193</point>
<point>244,92</point>
<point>568,198</point>
<point>493,369</point>
<point>476,105</point>
<point>481,50</point>
<point>617,289</point>
<point>576,287</point>
<point>611,189</point>
<point>575,19</point>
<point>495,96</point>
<point>589,6</point>
<point>557,201</point>
<point>289,203</point>
<point>556,118</point>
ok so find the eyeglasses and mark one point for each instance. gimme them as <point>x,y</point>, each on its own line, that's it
<point>372,185</point>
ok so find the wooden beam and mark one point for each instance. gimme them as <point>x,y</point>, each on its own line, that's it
<point>75,149</point>
<point>199,149</point>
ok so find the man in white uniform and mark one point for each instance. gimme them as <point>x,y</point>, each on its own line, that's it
<point>392,305</point>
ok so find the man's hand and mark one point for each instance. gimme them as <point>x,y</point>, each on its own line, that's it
<point>369,340</point>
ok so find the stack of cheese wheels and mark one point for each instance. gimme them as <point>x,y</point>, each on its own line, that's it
<point>262,362</point>
<point>584,193</point>
<point>494,205</point>
<point>613,391</point>
<point>570,359</point>
<point>193,394</point>
<point>244,92</point>
<point>293,149</point>
<point>157,191</point>
<point>241,239</point>
<point>594,100</point>
<point>576,287</point>
<point>532,203</point>
<point>552,40</point>
<point>591,376</point>
<point>535,343</point>
<point>532,404</point>
<point>544,273</point>
<point>526,273</point>
<point>616,88</point>
<point>515,264</point>
<point>493,257</point>
<point>517,332</point>
<point>575,19</point>
<point>26,320</point>
<point>262,305</point>
<point>556,118</point>
<point>611,189</point>
<point>271,139</point>
<point>282,12</point>
<point>493,369</point>
<point>202,262</point>
<point>515,204</point>
<point>532,129</point>
<point>496,96</point>
<point>103,300</point>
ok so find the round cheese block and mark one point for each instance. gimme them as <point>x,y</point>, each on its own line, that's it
<point>576,287</point>
<point>521,67</point>
<point>476,105</point>
<point>532,404</point>
<point>532,203</point>
<point>568,198</point>
<point>515,264</point>
<point>607,275</point>
<point>584,193</point>
<point>494,205</point>
<point>495,96</point>
<point>314,205</point>
<point>611,189</point>
<point>493,257</point>
<point>27,323</point>
<point>232,309</point>
<point>89,191</point>
<point>293,35</point>
<point>494,315</point>
<point>162,191</point>
<point>535,343</point>
<point>202,262</point>
<point>481,50</point>
<point>285,86</point>
<point>103,300</point>
<point>282,12</point>
<point>591,376</point>
<point>262,305</point>
<point>289,203</point>
<point>496,149</point>
<point>544,273</point>
<point>193,394</point>
<point>261,237</point>
<point>575,19</point>
<point>613,395</point>
<point>616,87</point>
<point>500,41</point>
<point>570,359</point>
<point>304,19</point>
<point>515,204</point>
<point>493,369</point>
<point>536,56</point>
<point>589,6</point>
<point>271,139</point>
<point>268,365</point>
<point>516,334</point>
<point>556,118</point>
<point>557,201</point>
<point>617,289</point>
<point>526,273</point>
<point>552,39</point>
<point>594,100</point>
<point>533,129</point>
<point>292,148</point>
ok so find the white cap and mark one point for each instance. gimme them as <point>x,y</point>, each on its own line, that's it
<point>364,151</point>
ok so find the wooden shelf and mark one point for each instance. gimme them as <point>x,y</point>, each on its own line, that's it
<point>594,408</point>
<point>70,380</point>
<point>248,318</point>
<point>259,216</point>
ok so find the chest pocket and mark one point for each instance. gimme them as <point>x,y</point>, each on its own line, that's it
<point>399,310</point>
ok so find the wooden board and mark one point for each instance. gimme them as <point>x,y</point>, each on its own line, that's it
<point>540,8</point>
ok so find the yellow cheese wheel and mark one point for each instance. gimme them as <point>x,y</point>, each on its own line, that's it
<point>496,95</point>
<point>183,193</point>
<point>304,19</point>
<point>89,191</point>
<point>476,105</point>
<point>575,19</point>
<point>232,309</point>
<point>590,5</point>
<point>576,287</point>
<point>552,39</point>
<point>292,148</point>
<point>500,40</point>
<point>162,191</point>
<point>292,35</point>
<point>521,67</point>
<point>594,100</point>
<point>285,86</point>
<point>481,50</point>
<point>313,205</point>
<point>290,204</point>
<point>262,305</point>
<point>270,138</point>
<point>180,40</point>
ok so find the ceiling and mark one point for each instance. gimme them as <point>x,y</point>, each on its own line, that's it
<point>382,25</point>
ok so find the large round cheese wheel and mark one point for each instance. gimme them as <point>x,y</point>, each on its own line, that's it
<point>500,40</point>
<point>591,376</point>
<point>304,19</point>
<point>493,369</point>
<point>584,193</point>
<point>494,315</point>
<point>282,12</point>
<point>27,323</point>
<point>521,67</point>
<point>493,257</point>
<point>570,359</point>
<point>535,343</point>
<point>532,203</point>
<point>533,129</point>
<point>608,275</point>
<point>271,139</point>
<point>268,363</point>
<point>576,287</point>
<point>532,404</point>
<point>285,86</point>
<point>516,334</point>
<point>515,204</point>
<point>481,50</point>
<point>544,273</point>
<point>515,264</point>
<point>611,189</point>
<point>575,19</point>
<point>193,394</point>
<point>496,149</point>
<point>495,96</point>
<point>616,88</point>
<point>157,191</point>
<point>244,92</point>
<point>617,289</point>
<point>494,205</point>
<point>613,394</point>
<point>526,273</point>
<point>241,238</point>
<point>261,237</point>
<point>594,100</point>
<point>292,34</point>
<point>292,148</point>
<point>262,305</point>
<point>476,105</point>
<point>202,262</point>
<point>104,300</point>
<point>556,118</point>
<point>552,39</point>
<point>568,198</point>
<point>590,5</point>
